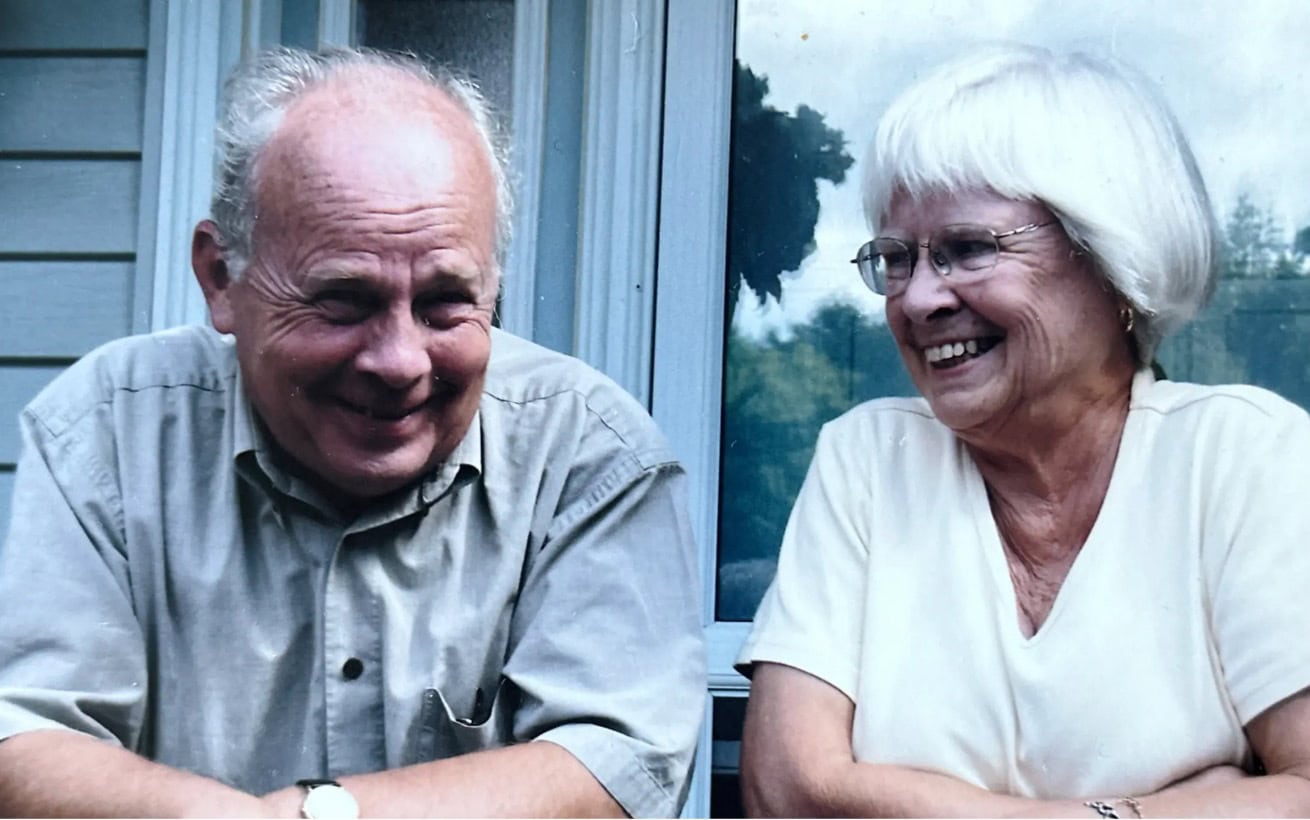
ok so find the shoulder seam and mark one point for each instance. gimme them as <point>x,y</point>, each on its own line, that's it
<point>586,403</point>
<point>90,407</point>
<point>1164,411</point>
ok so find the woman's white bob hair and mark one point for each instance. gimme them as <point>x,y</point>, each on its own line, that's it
<point>1090,139</point>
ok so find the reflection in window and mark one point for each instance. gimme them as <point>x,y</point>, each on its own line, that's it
<point>806,341</point>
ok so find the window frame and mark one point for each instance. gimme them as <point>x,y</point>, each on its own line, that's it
<point>687,399</point>
<point>687,372</point>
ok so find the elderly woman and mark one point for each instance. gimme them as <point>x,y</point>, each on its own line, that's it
<point>1054,585</point>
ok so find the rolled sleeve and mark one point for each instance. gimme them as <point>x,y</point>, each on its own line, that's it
<point>71,652</point>
<point>607,649</point>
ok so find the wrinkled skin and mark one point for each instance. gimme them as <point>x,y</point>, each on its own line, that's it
<point>1057,341</point>
<point>362,323</point>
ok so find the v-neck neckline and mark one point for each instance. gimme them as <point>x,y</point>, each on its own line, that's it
<point>989,534</point>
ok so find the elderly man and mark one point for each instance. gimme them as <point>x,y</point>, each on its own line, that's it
<point>375,556</point>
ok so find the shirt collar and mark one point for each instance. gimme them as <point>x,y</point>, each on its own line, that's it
<point>246,435</point>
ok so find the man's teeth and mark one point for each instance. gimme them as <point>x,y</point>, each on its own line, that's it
<point>941,353</point>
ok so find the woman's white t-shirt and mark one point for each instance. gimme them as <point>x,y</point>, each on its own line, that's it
<point>1185,615</point>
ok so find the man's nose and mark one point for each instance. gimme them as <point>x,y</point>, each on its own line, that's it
<point>928,290</point>
<point>397,352</point>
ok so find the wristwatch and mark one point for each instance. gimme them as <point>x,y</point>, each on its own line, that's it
<point>327,800</point>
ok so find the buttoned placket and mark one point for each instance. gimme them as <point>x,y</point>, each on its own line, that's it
<point>353,625</point>
<point>349,652</point>
<point>352,664</point>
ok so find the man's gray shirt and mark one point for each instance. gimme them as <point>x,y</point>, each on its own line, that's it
<point>167,586</point>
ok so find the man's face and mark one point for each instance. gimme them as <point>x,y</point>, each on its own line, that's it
<point>363,320</point>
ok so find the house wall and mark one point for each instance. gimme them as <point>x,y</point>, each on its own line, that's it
<point>72,103</point>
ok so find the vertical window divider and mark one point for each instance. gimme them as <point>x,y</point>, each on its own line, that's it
<point>336,22</point>
<point>518,283</point>
<point>619,190</point>
<point>687,393</point>
<point>186,64</point>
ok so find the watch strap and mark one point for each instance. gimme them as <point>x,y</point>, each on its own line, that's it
<point>312,782</point>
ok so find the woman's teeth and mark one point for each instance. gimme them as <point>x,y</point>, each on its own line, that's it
<point>951,350</point>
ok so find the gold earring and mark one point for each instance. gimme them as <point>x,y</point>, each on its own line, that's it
<point>1127,317</point>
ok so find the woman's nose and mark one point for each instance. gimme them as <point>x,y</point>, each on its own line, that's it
<point>928,290</point>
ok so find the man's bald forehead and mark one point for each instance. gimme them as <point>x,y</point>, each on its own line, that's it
<point>355,91</point>
<point>381,116</point>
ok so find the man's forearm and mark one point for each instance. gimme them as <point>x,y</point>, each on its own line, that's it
<point>537,779</point>
<point>60,773</point>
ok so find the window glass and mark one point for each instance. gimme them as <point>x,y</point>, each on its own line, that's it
<point>806,340</point>
<point>472,36</point>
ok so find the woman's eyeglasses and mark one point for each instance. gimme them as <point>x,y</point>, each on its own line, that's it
<point>965,252</point>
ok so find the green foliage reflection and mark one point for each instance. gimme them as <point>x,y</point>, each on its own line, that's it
<point>777,394</point>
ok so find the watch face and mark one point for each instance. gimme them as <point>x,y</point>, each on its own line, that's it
<point>330,803</point>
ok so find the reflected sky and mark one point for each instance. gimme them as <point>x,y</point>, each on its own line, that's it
<point>1235,76</point>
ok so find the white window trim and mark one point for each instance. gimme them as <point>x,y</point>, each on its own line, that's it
<point>689,327</point>
<point>518,284</point>
<point>187,63</point>
<point>619,190</point>
<point>687,389</point>
<point>336,22</point>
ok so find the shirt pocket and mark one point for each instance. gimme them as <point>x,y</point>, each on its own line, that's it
<point>444,733</point>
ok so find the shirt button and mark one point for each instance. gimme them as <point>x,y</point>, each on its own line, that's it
<point>352,669</point>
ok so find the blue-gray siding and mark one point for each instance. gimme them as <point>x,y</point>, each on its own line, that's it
<point>72,127</point>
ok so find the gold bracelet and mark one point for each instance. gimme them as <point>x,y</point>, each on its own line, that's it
<point>1132,803</point>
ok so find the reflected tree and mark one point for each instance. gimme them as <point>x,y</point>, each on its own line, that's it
<point>777,394</point>
<point>1251,244</point>
<point>773,196</point>
<point>1258,323</point>
<point>1254,246</point>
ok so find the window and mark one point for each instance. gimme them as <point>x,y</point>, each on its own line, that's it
<point>769,106</point>
<point>477,36</point>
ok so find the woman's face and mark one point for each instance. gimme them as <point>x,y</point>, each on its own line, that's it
<point>1041,337</point>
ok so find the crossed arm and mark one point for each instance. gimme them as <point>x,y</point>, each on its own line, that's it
<point>797,761</point>
<point>56,773</point>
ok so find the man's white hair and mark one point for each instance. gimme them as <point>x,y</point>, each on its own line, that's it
<point>256,98</point>
<point>1090,139</point>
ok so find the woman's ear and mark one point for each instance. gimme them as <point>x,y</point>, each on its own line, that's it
<point>212,274</point>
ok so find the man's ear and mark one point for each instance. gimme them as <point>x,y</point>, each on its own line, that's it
<point>212,274</point>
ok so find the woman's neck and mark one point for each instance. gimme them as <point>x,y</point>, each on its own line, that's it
<point>1046,481</point>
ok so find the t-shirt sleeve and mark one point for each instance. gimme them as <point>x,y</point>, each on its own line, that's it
<point>71,651</point>
<point>811,617</point>
<point>1260,572</point>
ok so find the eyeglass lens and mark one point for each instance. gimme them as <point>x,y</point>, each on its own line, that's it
<point>888,263</point>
